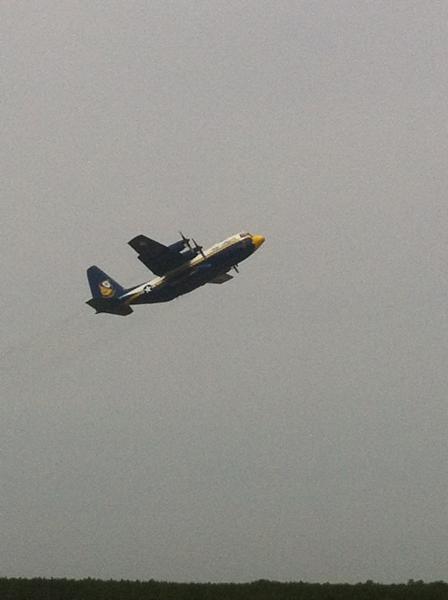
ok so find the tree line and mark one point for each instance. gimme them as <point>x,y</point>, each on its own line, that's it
<point>96,589</point>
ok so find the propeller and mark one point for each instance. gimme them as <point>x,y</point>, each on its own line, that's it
<point>198,247</point>
<point>185,240</point>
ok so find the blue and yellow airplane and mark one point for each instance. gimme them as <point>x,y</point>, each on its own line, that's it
<point>179,268</point>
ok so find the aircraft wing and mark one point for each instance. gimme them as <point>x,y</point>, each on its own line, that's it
<point>221,278</point>
<point>156,256</point>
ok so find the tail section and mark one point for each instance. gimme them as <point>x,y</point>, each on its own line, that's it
<point>106,293</point>
<point>101,285</point>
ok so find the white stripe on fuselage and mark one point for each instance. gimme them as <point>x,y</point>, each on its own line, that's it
<point>194,262</point>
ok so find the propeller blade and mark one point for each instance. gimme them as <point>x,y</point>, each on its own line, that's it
<point>185,240</point>
<point>198,247</point>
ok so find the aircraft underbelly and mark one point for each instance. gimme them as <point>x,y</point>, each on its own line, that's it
<point>188,282</point>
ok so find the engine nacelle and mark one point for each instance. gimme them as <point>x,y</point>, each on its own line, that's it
<point>189,254</point>
<point>178,246</point>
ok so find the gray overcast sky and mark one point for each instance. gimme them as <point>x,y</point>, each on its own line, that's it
<point>290,424</point>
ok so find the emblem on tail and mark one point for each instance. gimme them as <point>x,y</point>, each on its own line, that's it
<point>106,289</point>
<point>106,293</point>
<point>102,285</point>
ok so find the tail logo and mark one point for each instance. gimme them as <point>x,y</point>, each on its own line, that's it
<point>106,289</point>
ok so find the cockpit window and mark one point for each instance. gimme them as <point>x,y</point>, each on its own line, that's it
<point>243,235</point>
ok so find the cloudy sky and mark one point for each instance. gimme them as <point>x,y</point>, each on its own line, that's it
<point>290,424</point>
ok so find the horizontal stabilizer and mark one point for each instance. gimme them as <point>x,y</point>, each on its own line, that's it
<point>112,308</point>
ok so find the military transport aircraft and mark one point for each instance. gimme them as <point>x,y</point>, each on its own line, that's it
<point>179,268</point>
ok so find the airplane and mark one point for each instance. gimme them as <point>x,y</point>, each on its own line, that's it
<point>180,268</point>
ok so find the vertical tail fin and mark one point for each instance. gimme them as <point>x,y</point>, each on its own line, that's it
<point>103,286</point>
<point>106,293</point>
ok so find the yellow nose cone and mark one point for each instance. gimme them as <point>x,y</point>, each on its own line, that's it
<point>257,240</point>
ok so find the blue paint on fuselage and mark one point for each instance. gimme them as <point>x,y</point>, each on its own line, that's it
<point>188,280</point>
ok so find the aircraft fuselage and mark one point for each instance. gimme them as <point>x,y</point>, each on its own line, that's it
<point>192,270</point>
<point>216,260</point>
